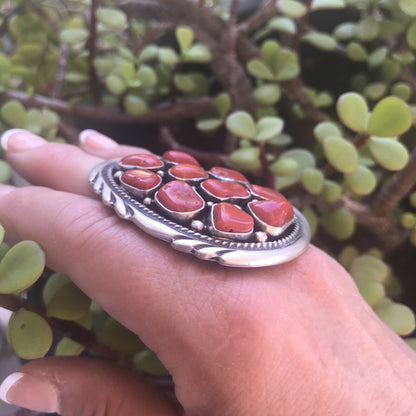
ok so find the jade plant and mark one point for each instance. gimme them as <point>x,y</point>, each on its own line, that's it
<point>256,89</point>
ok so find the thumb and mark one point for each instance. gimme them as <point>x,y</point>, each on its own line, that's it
<point>83,386</point>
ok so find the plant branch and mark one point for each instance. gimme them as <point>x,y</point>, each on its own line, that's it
<point>162,112</point>
<point>206,158</point>
<point>146,10</point>
<point>257,20</point>
<point>60,73</point>
<point>92,47</point>
<point>266,167</point>
<point>396,188</point>
<point>67,328</point>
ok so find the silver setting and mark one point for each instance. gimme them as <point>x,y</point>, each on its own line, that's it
<point>232,253</point>
<point>197,225</point>
<point>269,229</point>
<point>261,237</point>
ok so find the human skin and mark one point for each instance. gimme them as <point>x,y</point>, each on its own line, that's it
<point>289,340</point>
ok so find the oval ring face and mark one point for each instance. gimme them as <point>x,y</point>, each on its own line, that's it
<point>215,215</point>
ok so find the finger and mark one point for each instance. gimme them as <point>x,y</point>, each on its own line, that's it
<point>83,387</point>
<point>56,165</point>
<point>98,144</point>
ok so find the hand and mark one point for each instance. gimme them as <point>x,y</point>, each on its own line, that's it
<point>289,340</point>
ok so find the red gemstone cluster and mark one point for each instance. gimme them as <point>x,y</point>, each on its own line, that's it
<point>220,200</point>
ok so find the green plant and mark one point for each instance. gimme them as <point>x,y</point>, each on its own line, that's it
<point>344,152</point>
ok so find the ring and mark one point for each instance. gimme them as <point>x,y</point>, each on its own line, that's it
<point>216,215</point>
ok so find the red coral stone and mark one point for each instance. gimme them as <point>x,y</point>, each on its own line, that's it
<point>227,174</point>
<point>273,212</point>
<point>187,171</point>
<point>222,189</point>
<point>175,156</point>
<point>141,179</point>
<point>142,160</point>
<point>230,219</point>
<point>178,196</point>
<point>267,193</point>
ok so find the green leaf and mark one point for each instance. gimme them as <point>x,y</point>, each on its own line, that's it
<point>388,153</point>
<point>408,7</point>
<point>331,191</point>
<point>147,76</point>
<point>55,282</point>
<point>323,99</point>
<point>312,219</point>
<point>390,70</point>
<point>29,335</point>
<point>168,57</point>
<point>66,347</point>
<point>74,36</point>
<point>402,90</point>
<point>209,124</point>
<point>246,158</point>
<point>5,173</point>
<point>390,117</point>
<point>368,268</point>
<point>362,181</point>
<point>267,94</point>
<point>368,29</point>
<point>325,129</point>
<point>347,255</point>
<point>375,90</point>
<point>397,317</point>
<point>1,234</point>
<point>327,4</point>
<point>147,362</point>
<point>68,303</point>
<point>148,53</point>
<point>291,8</point>
<point>345,31</point>
<point>304,158</point>
<point>128,71</point>
<point>116,336</point>
<point>268,128</point>
<point>260,70</point>
<point>312,180</point>
<point>21,267</point>
<point>352,110</point>
<point>282,24</point>
<point>339,223</point>
<point>377,57</point>
<point>198,54</point>
<point>284,166</point>
<point>135,105</point>
<point>111,18</point>
<point>356,52</point>
<point>411,35</point>
<point>242,125</point>
<point>13,113</point>
<point>222,104</point>
<point>321,41</point>
<point>372,292</point>
<point>281,141</point>
<point>340,153</point>
<point>115,85</point>
<point>185,38</point>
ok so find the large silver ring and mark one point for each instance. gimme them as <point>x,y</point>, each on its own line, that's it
<point>216,215</point>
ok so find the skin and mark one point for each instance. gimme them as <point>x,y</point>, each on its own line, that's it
<point>289,340</point>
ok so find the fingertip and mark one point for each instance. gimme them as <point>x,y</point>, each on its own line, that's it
<point>5,189</point>
<point>93,141</point>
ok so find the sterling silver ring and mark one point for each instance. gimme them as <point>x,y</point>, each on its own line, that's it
<point>216,215</point>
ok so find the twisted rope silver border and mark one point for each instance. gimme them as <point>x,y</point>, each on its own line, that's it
<point>226,252</point>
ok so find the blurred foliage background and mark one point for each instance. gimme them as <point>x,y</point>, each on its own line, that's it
<point>316,98</point>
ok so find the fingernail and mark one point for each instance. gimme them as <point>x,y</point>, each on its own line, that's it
<point>16,140</point>
<point>30,392</point>
<point>96,141</point>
